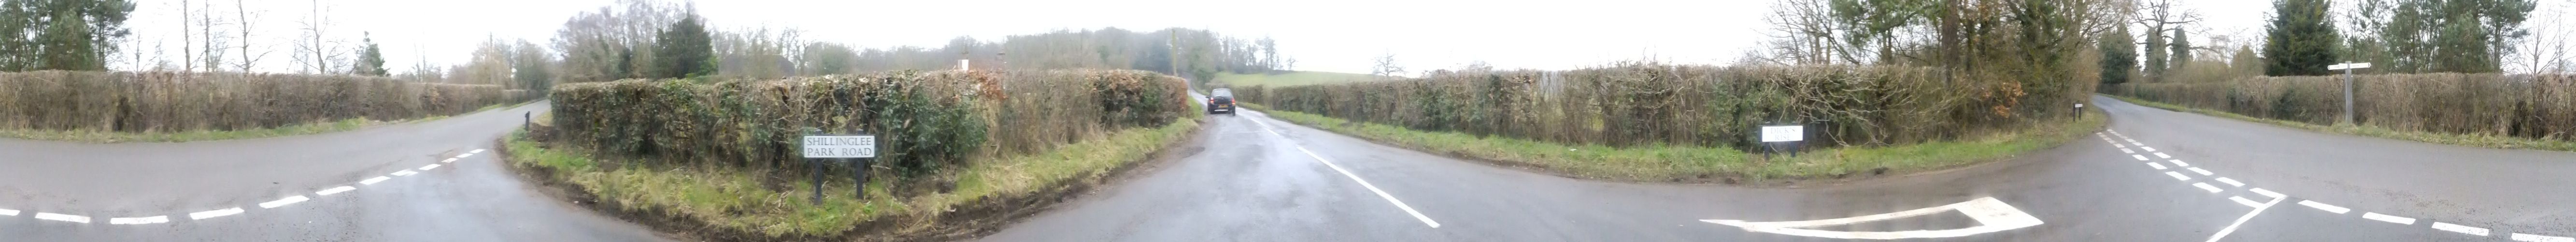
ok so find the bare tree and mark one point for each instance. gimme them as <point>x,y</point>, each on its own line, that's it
<point>1386,67</point>
<point>247,22</point>
<point>318,52</point>
<point>209,46</point>
<point>2160,18</point>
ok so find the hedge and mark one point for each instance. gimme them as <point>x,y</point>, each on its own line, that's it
<point>172,101</point>
<point>2527,106</point>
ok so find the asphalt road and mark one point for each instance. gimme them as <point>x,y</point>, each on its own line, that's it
<point>1261,179</point>
<point>2154,175</point>
<point>221,190</point>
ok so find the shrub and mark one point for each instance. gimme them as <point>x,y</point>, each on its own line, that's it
<point>2528,106</point>
<point>173,102</point>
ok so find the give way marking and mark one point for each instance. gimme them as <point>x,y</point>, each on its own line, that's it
<point>1991,216</point>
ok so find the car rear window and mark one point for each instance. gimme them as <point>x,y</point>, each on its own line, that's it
<point>1224,93</point>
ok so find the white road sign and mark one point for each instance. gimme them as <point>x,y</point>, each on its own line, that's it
<point>1784,133</point>
<point>841,146</point>
<point>2347,66</point>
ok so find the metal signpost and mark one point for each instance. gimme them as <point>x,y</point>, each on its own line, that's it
<point>852,149</point>
<point>2347,86</point>
<point>1772,136</point>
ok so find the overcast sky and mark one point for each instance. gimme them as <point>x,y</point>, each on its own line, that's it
<point>1323,35</point>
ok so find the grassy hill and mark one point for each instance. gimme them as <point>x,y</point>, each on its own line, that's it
<point>1297,78</point>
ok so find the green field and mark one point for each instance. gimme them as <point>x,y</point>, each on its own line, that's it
<point>1297,78</point>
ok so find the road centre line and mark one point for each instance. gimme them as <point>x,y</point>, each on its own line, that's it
<point>2136,143</point>
<point>449,160</point>
<point>2140,157</point>
<point>2206,186</point>
<point>284,201</point>
<point>2198,170</point>
<point>430,166</point>
<point>1390,198</point>
<point>2230,182</point>
<point>2128,151</point>
<point>62,217</point>
<point>2178,176</point>
<point>335,190</point>
<point>2324,206</point>
<point>476,151</point>
<point>2149,149</point>
<point>465,155</point>
<point>2246,202</point>
<point>372,181</point>
<point>2540,238</point>
<point>2159,166</point>
<point>2178,162</point>
<point>2386,218</point>
<point>2162,155</point>
<point>2460,229</point>
<point>7,212</point>
<point>405,172</point>
<point>214,213</point>
<point>2118,145</point>
<point>141,220</point>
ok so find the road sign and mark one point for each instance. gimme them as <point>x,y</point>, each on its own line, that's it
<point>1784,133</point>
<point>2347,66</point>
<point>840,146</point>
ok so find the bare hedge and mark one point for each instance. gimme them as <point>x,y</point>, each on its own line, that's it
<point>1644,104</point>
<point>170,101</point>
<point>926,120</point>
<point>2528,106</point>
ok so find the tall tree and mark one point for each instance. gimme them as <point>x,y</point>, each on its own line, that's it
<point>61,35</point>
<point>685,50</point>
<point>245,23</point>
<point>2181,50</point>
<point>2159,17</point>
<point>371,60</point>
<point>2119,56</point>
<point>2301,41</point>
<point>532,66</point>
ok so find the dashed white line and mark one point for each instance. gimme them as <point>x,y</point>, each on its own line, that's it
<point>62,217</point>
<point>430,166</point>
<point>2179,162</point>
<point>2206,186</point>
<point>2162,155</point>
<point>2540,238</point>
<point>2324,206</point>
<point>2132,141</point>
<point>2269,193</point>
<point>2140,157</point>
<point>449,160</point>
<point>372,181</point>
<point>214,213</point>
<point>2460,229</point>
<point>2178,176</point>
<point>2117,145</point>
<point>2149,149</point>
<point>8,212</point>
<point>465,155</point>
<point>2230,182</point>
<point>141,220</point>
<point>405,173</point>
<point>2246,202</point>
<point>283,202</point>
<point>2129,151</point>
<point>2386,218</point>
<point>2158,166</point>
<point>2136,143</point>
<point>476,151</point>
<point>335,190</point>
<point>2240,221</point>
<point>2198,170</point>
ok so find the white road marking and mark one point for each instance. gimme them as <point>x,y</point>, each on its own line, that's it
<point>449,160</point>
<point>8,212</point>
<point>2540,238</point>
<point>2178,176</point>
<point>2158,166</point>
<point>2460,229</point>
<point>2230,182</point>
<point>214,213</point>
<point>142,220</point>
<point>2178,162</point>
<point>2206,186</point>
<point>62,217</point>
<point>404,173</point>
<point>1372,188</point>
<point>2150,149</point>
<point>430,166</point>
<point>2140,157</point>
<point>476,151</point>
<point>1991,215</point>
<point>2118,145</point>
<point>283,202</point>
<point>2269,193</point>
<point>2131,141</point>
<point>372,181</point>
<point>2323,206</point>
<point>335,190</point>
<point>2246,202</point>
<point>2136,143</point>
<point>2162,155</point>
<point>2386,218</point>
<point>2198,170</point>
<point>2127,150</point>
<point>2240,221</point>
<point>465,155</point>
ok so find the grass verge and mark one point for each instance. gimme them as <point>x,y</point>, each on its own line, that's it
<point>2472,140</point>
<point>1696,164</point>
<point>732,202</point>
<point>1294,78</point>
<point>93,136</point>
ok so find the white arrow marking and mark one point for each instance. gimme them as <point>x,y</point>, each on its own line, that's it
<point>1991,215</point>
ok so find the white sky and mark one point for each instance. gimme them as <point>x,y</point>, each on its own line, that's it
<point>1323,35</point>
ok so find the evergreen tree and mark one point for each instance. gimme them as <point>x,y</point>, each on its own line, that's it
<point>61,34</point>
<point>685,50</point>
<point>2301,40</point>
<point>2181,51</point>
<point>371,60</point>
<point>2119,56</point>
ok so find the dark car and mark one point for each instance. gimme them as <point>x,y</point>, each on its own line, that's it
<point>1221,100</point>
